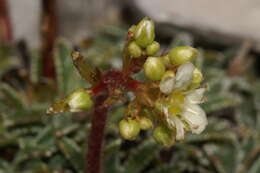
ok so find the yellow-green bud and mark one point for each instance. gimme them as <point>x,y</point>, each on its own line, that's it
<point>132,29</point>
<point>166,60</point>
<point>144,33</point>
<point>168,74</point>
<point>197,78</point>
<point>134,50</point>
<point>145,123</point>
<point>182,54</point>
<point>153,48</point>
<point>164,136</point>
<point>154,68</point>
<point>129,128</point>
<point>79,100</point>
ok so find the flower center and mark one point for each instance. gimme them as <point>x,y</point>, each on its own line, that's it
<point>175,109</point>
<point>177,97</point>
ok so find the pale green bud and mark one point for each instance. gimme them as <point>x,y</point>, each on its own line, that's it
<point>182,54</point>
<point>134,50</point>
<point>154,68</point>
<point>79,100</point>
<point>166,60</point>
<point>168,74</point>
<point>129,128</point>
<point>145,123</point>
<point>197,78</point>
<point>153,48</point>
<point>132,29</point>
<point>164,136</point>
<point>144,33</point>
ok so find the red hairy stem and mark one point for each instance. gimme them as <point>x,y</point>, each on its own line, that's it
<point>95,139</point>
<point>110,79</point>
<point>49,34</point>
<point>116,79</point>
<point>5,24</point>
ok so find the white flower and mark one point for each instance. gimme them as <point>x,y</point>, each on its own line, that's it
<point>192,117</point>
<point>182,79</point>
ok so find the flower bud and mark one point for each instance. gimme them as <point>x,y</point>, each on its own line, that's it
<point>154,68</point>
<point>166,60</point>
<point>132,29</point>
<point>182,54</point>
<point>129,128</point>
<point>144,33</point>
<point>79,100</point>
<point>197,78</point>
<point>153,48</point>
<point>134,50</point>
<point>167,82</point>
<point>168,74</point>
<point>164,136</point>
<point>145,123</point>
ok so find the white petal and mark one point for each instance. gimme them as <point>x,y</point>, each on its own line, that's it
<point>176,123</point>
<point>195,96</point>
<point>184,75</point>
<point>168,119</point>
<point>167,85</point>
<point>195,116</point>
<point>179,128</point>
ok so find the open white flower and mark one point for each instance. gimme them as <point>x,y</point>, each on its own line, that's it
<point>186,115</point>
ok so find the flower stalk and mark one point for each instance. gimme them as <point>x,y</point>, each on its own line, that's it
<point>49,30</point>
<point>5,23</point>
<point>96,136</point>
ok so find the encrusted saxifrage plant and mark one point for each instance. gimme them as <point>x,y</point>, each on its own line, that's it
<point>168,102</point>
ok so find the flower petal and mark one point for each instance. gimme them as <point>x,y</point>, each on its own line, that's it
<point>179,128</point>
<point>195,116</point>
<point>184,75</point>
<point>167,85</point>
<point>195,96</point>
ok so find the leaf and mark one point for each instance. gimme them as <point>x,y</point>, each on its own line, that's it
<point>72,152</point>
<point>63,65</point>
<point>255,168</point>
<point>219,101</point>
<point>35,67</point>
<point>112,156</point>
<point>87,72</point>
<point>14,96</point>
<point>141,156</point>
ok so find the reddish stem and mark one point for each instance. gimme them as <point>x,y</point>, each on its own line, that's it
<point>49,34</point>
<point>95,139</point>
<point>111,79</point>
<point>5,24</point>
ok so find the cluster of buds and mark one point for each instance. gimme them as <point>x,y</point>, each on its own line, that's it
<point>176,90</point>
<point>168,102</point>
<point>143,39</point>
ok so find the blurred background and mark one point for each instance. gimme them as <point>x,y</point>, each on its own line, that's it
<point>36,39</point>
